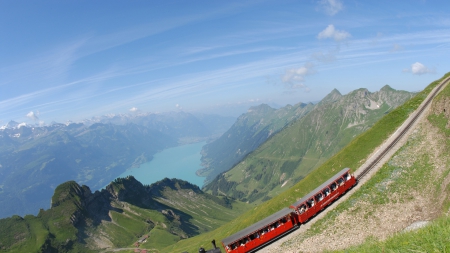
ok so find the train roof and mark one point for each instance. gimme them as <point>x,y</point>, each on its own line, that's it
<point>257,226</point>
<point>314,192</point>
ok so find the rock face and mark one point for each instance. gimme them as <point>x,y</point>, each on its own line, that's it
<point>303,145</point>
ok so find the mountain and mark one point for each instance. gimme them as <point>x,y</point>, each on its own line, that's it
<point>248,132</point>
<point>34,160</point>
<point>117,216</point>
<point>287,157</point>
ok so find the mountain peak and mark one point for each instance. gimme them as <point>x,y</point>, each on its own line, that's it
<point>262,108</point>
<point>387,88</point>
<point>332,96</point>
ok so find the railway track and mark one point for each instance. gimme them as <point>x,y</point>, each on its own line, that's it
<point>386,150</point>
<point>372,163</point>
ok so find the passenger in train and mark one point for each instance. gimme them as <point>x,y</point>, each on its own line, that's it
<point>347,177</point>
<point>319,196</point>
<point>333,186</point>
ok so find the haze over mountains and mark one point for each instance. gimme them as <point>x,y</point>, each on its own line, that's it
<point>34,160</point>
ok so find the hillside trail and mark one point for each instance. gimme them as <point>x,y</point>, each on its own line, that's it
<point>276,246</point>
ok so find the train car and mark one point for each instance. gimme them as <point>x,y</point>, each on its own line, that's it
<point>324,195</point>
<point>269,229</point>
<point>261,233</point>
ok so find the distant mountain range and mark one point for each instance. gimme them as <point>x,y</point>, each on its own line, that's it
<point>308,141</point>
<point>34,160</point>
<point>179,125</point>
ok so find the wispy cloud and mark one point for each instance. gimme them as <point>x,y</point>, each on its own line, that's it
<point>332,33</point>
<point>396,48</point>
<point>294,78</point>
<point>325,57</point>
<point>330,7</point>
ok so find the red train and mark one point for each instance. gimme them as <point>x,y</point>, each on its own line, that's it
<point>278,224</point>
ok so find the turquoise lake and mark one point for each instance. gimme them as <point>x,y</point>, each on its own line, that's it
<point>179,162</point>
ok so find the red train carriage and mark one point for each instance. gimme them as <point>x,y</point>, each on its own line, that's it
<point>323,195</point>
<point>261,233</point>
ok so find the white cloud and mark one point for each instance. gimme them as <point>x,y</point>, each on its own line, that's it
<point>331,7</point>
<point>33,115</point>
<point>134,109</point>
<point>178,107</point>
<point>293,78</point>
<point>419,69</point>
<point>331,32</point>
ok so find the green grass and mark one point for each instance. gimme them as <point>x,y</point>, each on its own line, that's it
<point>159,238</point>
<point>353,155</point>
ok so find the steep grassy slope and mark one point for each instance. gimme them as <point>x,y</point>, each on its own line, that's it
<point>353,155</point>
<point>412,188</point>
<point>291,154</point>
<point>248,132</point>
<point>118,216</point>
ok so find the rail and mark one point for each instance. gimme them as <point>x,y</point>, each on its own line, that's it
<point>402,133</point>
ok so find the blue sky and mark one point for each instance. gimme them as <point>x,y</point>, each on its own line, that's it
<point>71,60</point>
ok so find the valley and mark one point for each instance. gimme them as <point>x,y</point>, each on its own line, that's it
<point>177,216</point>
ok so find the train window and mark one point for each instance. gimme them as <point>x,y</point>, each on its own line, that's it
<point>347,176</point>
<point>302,208</point>
<point>310,203</point>
<point>319,197</point>
<point>326,191</point>
<point>340,181</point>
<point>333,186</point>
